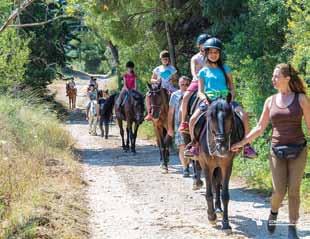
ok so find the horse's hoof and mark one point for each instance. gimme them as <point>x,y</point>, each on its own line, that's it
<point>219,211</point>
<point>226,227</point>
<point>227,231</point>
<point>197,184</point>
<point>164,168</point>
<point>212,219</point>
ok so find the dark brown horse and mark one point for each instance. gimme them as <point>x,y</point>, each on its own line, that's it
<point>222,129</point>
<point>71,93</point>
<point>131,110</point>
<point>159,98</point>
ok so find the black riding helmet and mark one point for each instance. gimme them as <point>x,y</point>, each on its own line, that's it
<point>130,64</point>
<point>213,42</point>
<point>202,38</point>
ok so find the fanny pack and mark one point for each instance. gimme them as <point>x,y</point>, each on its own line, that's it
<point>289,151</point>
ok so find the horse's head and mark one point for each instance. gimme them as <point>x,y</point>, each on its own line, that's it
<point>138,106</point>
<point>156,99</point>
<point>220,126</point>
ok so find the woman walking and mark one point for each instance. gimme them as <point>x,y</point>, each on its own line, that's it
<point>288,154</point>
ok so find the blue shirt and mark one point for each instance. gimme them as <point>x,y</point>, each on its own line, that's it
<point>214,79</point>
<point>165,73</point>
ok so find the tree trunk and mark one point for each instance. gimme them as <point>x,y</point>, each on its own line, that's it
<point>171,47</point>
<point>114,52</point>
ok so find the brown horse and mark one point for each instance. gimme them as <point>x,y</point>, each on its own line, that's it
<point>71,93</point>
<point>222,129</point>
<point>131,110</point>
<point>159,98</point>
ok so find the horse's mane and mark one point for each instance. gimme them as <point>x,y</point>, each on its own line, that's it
<point>217,105</point>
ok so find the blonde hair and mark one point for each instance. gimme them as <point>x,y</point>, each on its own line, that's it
<point>296,83</point>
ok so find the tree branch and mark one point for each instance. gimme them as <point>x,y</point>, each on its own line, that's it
<point>42,23</point>
<point>15,13</point>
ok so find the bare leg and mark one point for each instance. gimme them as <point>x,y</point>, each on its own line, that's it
<point>192,123</point>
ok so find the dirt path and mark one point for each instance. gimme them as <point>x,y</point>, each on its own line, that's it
<point>129,198</point>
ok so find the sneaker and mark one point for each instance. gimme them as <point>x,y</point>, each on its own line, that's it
<point>184,127</point>
<point>271,222</point>
<point>186,172</point>
<point>148,117</point>
<point>191,152</point>
<point>249,152</point>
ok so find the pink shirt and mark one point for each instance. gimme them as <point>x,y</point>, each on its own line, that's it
<point>130,80</point>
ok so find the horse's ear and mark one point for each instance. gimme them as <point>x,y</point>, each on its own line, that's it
<point>229,98</point>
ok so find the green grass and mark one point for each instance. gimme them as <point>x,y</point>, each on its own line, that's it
<point>30,137</point>
<point>146,131</point>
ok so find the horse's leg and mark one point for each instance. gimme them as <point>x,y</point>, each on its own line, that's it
<point>197,184</point>
<point>226,172</point>
<point>74,101</point>
<point>133,143</point>
<point>165,148</point>
<point>121,131</point>
<point>217,189</point>
<point>128,136</point>
<point>209,195</point>
<point>69,102</point>
<point>159,137</point>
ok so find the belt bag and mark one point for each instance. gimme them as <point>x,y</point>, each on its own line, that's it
<point>289,151</point>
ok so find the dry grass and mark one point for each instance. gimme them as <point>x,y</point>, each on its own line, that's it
<point>41,189</point>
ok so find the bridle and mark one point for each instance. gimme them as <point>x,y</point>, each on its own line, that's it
<point>156,106</point>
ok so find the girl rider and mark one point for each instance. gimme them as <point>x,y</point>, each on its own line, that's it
<point>215,80</point>
<point>197,63</point>
<point>164,74</point>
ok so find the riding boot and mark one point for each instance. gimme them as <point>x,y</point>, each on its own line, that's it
<point>292,232</point>
<point>271,222</point>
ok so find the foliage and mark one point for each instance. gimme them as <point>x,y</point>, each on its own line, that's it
<point>298,36</point>
<point>14,54</point>
<point>49,42</point>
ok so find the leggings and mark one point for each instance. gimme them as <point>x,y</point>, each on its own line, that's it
<point>287,176</point>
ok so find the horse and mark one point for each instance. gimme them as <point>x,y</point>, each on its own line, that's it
<point>159,98</point>
<point>106,114</point>
<point>131,110</point>
<point>222,128</point>
<point>71,93</point>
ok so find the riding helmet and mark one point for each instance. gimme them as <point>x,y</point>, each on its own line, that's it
<point>202,38</point>
<point>213,42</point>
<point>130,64</point>
<point>164,54</point>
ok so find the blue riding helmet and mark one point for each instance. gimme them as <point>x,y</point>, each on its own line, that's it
<point>202,38</point>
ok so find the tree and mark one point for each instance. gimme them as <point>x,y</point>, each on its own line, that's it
<point>14,54</point>
<point>298,36</point>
